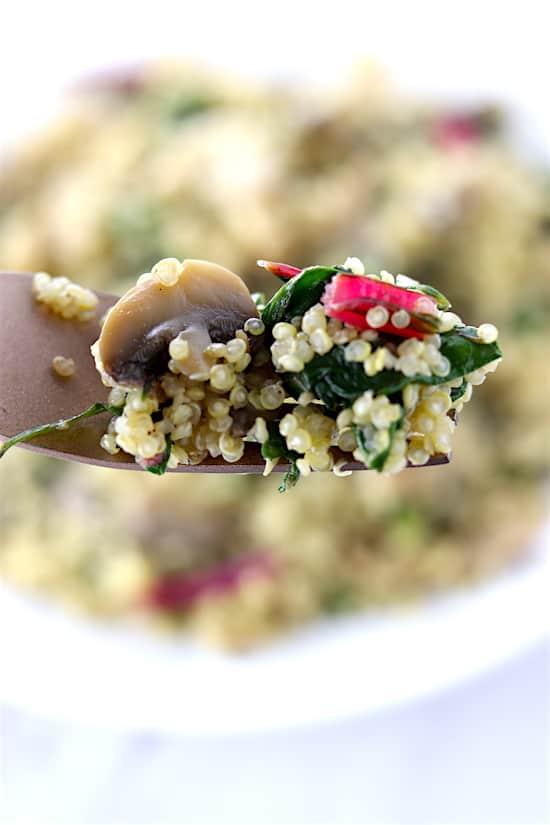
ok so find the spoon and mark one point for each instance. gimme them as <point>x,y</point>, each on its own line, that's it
<point>31,393</point>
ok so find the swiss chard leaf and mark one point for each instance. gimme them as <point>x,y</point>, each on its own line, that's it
<point>62,424</point>
<point>338,382</point>
<point>274,448</point>
<point>297,294</point>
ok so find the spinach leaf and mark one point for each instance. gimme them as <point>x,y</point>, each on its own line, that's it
<point>297,295</point>
<point>290,478</point>
<point>62,424</point>
<point>465,352</point>
<point>274,448</point>
<point>338,382</point>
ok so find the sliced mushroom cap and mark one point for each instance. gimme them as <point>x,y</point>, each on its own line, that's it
<point>206,303</point>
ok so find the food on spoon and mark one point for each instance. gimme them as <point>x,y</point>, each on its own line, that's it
<point>340,365</point>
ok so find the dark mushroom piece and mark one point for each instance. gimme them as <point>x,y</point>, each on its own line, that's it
<point>199,301</point>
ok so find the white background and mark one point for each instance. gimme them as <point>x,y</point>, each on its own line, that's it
<point>478,753</point>
<point>474,755</point>
<point>461,49</point>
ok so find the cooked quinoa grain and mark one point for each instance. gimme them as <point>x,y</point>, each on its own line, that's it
<point>65,298</point>
<point>65,367</point>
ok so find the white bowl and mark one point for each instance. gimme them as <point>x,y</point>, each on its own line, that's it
<point>76,670</point>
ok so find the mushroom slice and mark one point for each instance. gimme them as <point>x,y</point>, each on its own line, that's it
<point>205,303</point>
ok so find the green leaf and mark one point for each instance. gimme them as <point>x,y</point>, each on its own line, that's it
<point>374,459</point>
<point>338,382</point>
<point>465,352</point>
<point>160,469</point>
<point>62,424</point>
<point>297,294</point>
<point>274,448</point>
<point>290,478</point>
<point>442,300</point>
<point>458,392</point>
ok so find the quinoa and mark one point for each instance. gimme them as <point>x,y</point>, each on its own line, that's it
<point>65,367</point>
<point>195,413</point>
<point>122,178</point>
<point>65,298</point>
<point>185,417</point>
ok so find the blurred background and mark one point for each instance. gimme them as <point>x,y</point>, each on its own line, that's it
<point>392,665</point>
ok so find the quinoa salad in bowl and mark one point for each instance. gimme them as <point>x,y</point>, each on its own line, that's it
<point>344,363</point>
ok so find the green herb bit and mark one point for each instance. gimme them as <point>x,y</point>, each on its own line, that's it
<point>290,478</point>
<point>297,294</point>
<point>160,469</point>
<point>62,424</point>
<point>443,302</point>
<point>458,392</point>
<point>260,300</point>
<point>373,459</point>
<point>274,448</point>
<point>147,387</point>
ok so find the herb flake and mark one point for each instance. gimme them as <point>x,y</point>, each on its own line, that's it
<point>274,448</point>
<point>160,468</point>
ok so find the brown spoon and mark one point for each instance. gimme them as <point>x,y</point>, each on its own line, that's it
<point>31,393</point>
